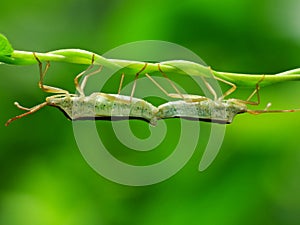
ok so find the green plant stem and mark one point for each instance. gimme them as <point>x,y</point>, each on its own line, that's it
<point>180,67</point>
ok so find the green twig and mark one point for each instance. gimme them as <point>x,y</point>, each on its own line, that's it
<point>10,56</point>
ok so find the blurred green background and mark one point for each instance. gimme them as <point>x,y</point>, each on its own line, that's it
<point>254,179</point>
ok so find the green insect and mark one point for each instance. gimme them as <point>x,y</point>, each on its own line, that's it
<point>95,106</point>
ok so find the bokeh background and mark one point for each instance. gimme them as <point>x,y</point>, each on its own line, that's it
<point>255,177</point>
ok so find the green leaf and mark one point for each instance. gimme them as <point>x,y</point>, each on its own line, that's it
<point>5,47</point>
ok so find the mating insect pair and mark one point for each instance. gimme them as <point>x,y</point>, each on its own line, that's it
<point>115,106</point>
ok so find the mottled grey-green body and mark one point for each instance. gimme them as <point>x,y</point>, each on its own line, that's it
<point>222,111</point>
<point>101,105</point>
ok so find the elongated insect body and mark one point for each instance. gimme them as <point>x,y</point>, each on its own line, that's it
<point>221,111</point>
<point>95,106</point>
<point>104,106</point>
<point>115,106</point>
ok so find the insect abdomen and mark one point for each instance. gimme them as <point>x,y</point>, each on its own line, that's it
<point>100,105</point>
<point>207,110</point>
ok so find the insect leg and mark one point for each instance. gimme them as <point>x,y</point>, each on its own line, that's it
<point>80,88</point>
<point>29,111</point>
<point>256,91</point>
<point>186,97</point>
<point>157,84</point>
<point>47,88</point>
<point>210,88</point>
<point>135,80</point>
<point>171,83</point>
<point>121,83</point>
<point>268,106</point>
<point>228,92</point>
<point>21,107</point>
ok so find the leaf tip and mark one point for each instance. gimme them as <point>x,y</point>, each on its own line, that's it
<point>5,47</point>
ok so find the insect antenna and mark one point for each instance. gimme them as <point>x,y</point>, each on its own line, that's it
<point>256,112</point>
